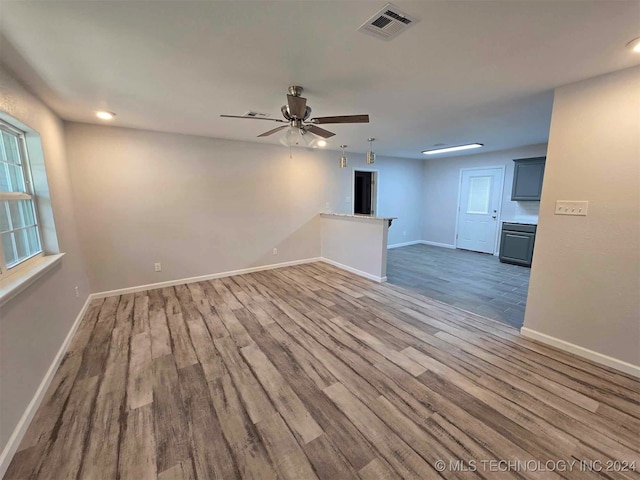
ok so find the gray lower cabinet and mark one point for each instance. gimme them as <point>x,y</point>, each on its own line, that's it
<point>527,179</point>
<point>516,243</point>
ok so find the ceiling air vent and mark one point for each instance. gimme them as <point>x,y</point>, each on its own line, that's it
<point>388,23</point>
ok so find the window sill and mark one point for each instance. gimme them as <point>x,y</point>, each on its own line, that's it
<point>19,281</point>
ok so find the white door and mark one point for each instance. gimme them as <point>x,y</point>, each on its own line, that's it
<point>480,194</point>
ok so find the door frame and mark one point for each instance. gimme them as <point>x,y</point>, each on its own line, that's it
<point>498,220</point>
<point>374,191</point>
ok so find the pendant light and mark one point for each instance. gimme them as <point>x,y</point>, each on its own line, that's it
<point>343,158</point>
<point>371,157</point>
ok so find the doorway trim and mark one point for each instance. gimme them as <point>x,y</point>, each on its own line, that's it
<point>498,220</point>
<point>374,193</point>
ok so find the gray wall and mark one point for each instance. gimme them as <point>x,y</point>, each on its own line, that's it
<point>356,243</point>
<point>201,205</point>
<point>441,185</point>
<point>34,324</point>
<point>585,276</point>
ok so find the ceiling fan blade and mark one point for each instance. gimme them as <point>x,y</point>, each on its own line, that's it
<point>297,106</point>
<point>342,119</point>
<point>319,131</point>
<point>254,118</point>
<point>270,132</point>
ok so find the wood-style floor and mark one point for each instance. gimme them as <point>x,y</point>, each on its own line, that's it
<point>310,372</point>
<point>473,281</point>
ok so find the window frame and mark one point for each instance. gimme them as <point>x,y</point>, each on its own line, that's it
<point>29,194</point>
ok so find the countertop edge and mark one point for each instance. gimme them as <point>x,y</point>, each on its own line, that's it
<point>351,215</point>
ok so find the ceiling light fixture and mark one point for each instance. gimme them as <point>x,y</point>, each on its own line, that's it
<point>634,45</point>
<point>343,158</point>
<point>453,149</point>
<point>371,157</point>
<point>297,137</point>
<point>104,115</point>
<point>321,143</point>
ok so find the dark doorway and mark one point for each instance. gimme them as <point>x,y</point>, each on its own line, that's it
<point>363,193</point>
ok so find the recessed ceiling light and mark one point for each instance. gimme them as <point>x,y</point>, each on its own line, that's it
<point>321,143</point>
<point>453,149</point>
<point>103,115</point>
<point>634,45</point>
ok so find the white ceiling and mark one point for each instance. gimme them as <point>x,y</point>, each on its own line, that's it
<point>469,71</point>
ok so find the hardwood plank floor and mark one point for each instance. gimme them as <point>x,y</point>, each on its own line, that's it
<point>473,281</point>
<point>310,372</point>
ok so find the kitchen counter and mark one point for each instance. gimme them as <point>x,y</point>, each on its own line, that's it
<point>515,222</point>
<point>357,243</point>
<point>358,216</point>
<point>389,220</point>
<point>516,243</point>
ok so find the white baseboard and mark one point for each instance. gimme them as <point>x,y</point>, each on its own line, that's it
<point>18,433</point>
<point>423,242</point>
<point>404,244</point>
<point>436,244</point>
<point>202,278</point>
<point>370,276</point>
<point>623,366</point>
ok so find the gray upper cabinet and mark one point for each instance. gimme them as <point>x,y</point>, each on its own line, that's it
<point>527,178</point>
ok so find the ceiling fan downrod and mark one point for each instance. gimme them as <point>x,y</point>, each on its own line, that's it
<point>295,90</point>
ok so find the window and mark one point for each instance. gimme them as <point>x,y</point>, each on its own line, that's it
<point>19,231</point>
<point>479,195</point>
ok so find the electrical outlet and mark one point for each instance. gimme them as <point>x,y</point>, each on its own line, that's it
<point>157,267</point>
<point>571,207</point>
<point>404,233</point>
<point>77,292</point>
<point>275,251</point>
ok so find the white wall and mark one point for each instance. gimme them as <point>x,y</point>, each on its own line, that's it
<point>585,278</point>
<point>442,182</point>
<point>201,205</point>
<point>34,324</point>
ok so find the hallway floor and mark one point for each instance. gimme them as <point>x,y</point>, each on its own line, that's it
<point>473,281</point>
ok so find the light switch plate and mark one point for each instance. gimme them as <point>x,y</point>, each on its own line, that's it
<point>572,207</point>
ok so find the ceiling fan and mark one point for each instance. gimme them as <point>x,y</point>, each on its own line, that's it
<point>296,113</point>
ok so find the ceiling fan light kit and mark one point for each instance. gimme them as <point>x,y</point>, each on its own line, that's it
<point>301,129</point>
<point>297,137</point>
